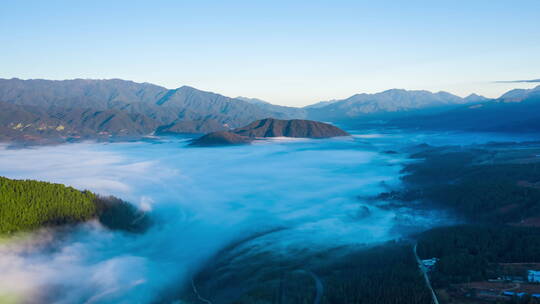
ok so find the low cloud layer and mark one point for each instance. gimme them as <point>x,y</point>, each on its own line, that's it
<point>519,81</point>
<point>202,199</point>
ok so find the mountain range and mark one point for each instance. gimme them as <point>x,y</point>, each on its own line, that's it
<point>85,108</point>
<point>515,111</point>
<point>388,103</point>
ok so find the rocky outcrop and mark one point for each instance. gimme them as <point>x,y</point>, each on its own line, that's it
<point>270,127</point>
<point>220,139</point>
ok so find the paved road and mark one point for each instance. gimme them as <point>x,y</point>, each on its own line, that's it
<point>197,293</point>
<point>319,287</point>
<point>423,269</point>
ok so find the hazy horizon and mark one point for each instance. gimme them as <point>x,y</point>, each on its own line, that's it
<point>286,53</point>
<point>517,84</point>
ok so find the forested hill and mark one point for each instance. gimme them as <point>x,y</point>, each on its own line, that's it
<point>270,127</point>
<point>83,108</point>
<point>26,205</point>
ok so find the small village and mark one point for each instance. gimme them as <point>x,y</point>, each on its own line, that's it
<point>517,280</point>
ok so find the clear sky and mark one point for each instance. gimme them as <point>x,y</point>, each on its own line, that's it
<point>286,52</point>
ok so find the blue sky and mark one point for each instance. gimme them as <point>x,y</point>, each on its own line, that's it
<point>286,52</point>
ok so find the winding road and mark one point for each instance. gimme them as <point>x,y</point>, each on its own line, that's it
<point>318,286</point>
<point>196,292</point>
<point>423,269</point>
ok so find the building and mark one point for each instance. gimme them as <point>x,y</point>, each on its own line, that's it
<point>510,278</point>
<point>429,263</point>
<point>514,294</point>
<point>533,276</point>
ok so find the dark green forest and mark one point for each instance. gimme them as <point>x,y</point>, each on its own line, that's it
<point>493,187</point>
<point>26,205</point>
<point>471,252</point>
<point>385,274</point>
<point>472,185</point>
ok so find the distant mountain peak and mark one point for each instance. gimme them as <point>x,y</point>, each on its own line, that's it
<point>321,104</point>
<point>271,127</point>
<point>253,100</point>
<point>385,102</point>
<point>518,95</point>
<point>189,88</point>
<point>475,98</point>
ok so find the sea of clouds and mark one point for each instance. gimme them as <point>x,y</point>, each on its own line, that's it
<point>201,199</point>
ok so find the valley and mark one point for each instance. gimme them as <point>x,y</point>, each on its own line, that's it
<point>313,221</point>
<point>285,210</point>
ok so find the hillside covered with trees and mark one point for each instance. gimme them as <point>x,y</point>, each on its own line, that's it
<point>472,253</point>
<point>487,184</point>
<point>26,205</point>
<point>493,192</point>
<point>384,274</point>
